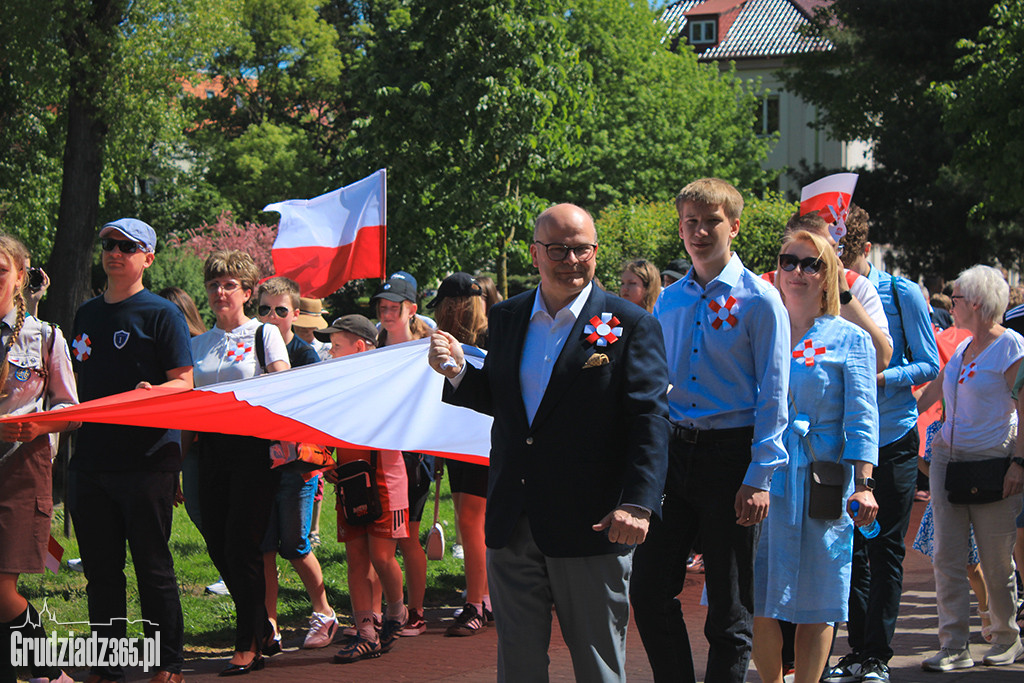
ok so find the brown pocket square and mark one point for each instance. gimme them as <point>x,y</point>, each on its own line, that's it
<point>596,361</point>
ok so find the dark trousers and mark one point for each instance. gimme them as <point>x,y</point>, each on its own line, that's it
<point>700,494</point>
<point>236,493</point>
<point>110,509</point>
<point>876,584</point>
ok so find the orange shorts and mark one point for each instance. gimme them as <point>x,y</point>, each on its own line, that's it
<point>391,524</point>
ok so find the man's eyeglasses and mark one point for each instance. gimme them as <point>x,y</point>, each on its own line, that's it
<point>809,265</point>
<point>124,246</point>
<point>228,287</point>
<point>281,311</point>
<point>559,252</point>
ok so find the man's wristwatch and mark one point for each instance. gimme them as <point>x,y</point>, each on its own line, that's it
<point>1017,461</point>
<point>866,482</point>
<point>845,297</point>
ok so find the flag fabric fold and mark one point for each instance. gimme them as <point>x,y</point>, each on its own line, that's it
<point>386,399</point>
<point>830,198</point>
<point>324,242</point>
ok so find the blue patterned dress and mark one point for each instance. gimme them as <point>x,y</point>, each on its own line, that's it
<point>802,569</point>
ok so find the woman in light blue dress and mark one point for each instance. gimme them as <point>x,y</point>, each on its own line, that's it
<point>802,569</point>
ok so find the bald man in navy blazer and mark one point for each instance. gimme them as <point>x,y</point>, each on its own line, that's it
<point>575,379</point>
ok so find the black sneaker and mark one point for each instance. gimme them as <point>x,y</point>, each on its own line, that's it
<point>468,623</point>
<point>874,670</point>
<point>488,616</point>
<point>357,648</point>
<point>846,670</point>
<point>390,631</point>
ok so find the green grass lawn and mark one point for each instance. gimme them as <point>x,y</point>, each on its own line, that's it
<point>209,619</point>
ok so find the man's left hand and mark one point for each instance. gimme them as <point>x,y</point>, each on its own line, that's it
<point>627,525</point>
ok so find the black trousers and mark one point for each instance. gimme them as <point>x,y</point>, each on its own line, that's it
<point>700,495</point>
<point>110,509</point>
<point>876,583</point>
<point>236,493</point>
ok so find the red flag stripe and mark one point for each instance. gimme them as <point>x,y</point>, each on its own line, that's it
<point>322,270</point>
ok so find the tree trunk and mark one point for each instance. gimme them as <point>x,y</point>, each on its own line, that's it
<point>71,259</point>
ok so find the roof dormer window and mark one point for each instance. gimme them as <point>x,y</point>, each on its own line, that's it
<point>703,32</point>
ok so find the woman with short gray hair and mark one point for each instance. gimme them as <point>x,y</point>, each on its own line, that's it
<point>977,472</point>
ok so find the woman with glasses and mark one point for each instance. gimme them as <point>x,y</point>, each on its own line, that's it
<point>641,283</point>
<point>236,484</point>
<point>981,425</point>
<point>804,556</point>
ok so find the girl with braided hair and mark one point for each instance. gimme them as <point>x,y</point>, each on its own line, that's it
<point>35,374</point>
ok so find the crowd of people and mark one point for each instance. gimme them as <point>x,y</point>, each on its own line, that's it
<point>758,418</point>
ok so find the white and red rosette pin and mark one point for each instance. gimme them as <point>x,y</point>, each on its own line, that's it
<point>603,329</point>
<point>81,347</point>
<point>808,350</point>
<point>724,313</point>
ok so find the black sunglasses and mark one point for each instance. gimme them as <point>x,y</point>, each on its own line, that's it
<point>282,311</point>
<point>809,265</point>
<point>125,246</point>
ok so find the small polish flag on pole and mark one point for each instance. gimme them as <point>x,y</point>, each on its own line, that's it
<point>324,242</point>
<point>54,554</point>
<point>830,197</point>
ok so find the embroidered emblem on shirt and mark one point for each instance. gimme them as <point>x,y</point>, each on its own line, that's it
<point>722,314</point>
<point>603,330</point>
<point>236,352</point>
<point>81,347</point>
<point>807,351</point>
<point>22,374</point>
<point>120,339</point>
<point>966,372</point>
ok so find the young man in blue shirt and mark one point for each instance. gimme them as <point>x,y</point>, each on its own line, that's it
<point>727,341</point>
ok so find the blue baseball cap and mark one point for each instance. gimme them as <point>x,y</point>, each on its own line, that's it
<point>402,275</point>
<point>135,229</point>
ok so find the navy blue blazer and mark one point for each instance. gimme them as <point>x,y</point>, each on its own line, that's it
<point>600,436</point>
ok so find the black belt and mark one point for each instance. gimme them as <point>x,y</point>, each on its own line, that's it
<point>695,436</point>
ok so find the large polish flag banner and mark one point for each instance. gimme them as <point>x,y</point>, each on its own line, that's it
<point>386,399</point>
<point>324,242</point>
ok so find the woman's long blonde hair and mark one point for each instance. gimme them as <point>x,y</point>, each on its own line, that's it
<point>463,317</point>
<point>829,274</point>
<point>18,254</point>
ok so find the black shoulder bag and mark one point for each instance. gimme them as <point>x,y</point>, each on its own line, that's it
<point>358,496</point>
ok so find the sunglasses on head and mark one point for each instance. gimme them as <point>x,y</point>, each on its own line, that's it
<point>281,311</point>
<point>809,265</point>
<point>125,246</point>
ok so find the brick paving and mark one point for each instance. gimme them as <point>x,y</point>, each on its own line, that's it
<point>433,657</point>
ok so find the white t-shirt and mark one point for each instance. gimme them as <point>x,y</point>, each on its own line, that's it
<point>979,409</point>
<point>867,295</point>
<point>220,356</point>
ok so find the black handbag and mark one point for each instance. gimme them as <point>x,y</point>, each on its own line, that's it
<point>976,482</point>
<point>826,490</point>
<point>358,497</point>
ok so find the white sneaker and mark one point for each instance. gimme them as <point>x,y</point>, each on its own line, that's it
<point>1003,655</point>
<point>218,588</point>
<point>75,565</point>
<point>948,659</point>
<point>321,631</point>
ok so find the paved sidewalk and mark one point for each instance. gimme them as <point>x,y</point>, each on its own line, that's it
<point>432,657</point>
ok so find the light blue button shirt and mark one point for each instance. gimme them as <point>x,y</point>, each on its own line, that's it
<point>729,354</point>
<point>544,340</point>
<point>912,337</point>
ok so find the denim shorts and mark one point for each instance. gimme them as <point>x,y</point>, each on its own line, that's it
<point>292,512</point>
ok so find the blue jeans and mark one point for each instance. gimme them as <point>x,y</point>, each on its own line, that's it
<point>292,512</point>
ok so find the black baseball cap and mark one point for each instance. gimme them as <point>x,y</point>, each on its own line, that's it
<point>676,268</point>
<point>354,323</point>
<point>397,289</point>
<point>456,284</point>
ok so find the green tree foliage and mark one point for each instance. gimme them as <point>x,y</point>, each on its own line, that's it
<point>985,106</point>
<point>637,228</point>
<point>875,86</point>
<point>466,106</point>
<point>659,118</point>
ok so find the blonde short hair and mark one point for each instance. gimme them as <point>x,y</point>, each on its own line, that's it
<point>712,192</point>
<point>232,263</point>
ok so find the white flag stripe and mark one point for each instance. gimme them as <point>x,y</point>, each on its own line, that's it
<point>388,398</point>
<point>332,219</point>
